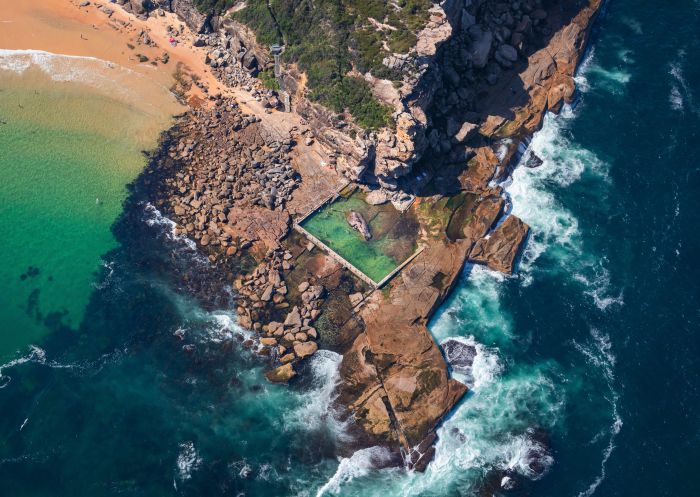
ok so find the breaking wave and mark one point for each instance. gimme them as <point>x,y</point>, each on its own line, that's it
<point>536,195</point>
<point>115,80</point>
<point>37,355</point>
<point>316,409</point>
<point>153,217</point>
<point>360,464</point>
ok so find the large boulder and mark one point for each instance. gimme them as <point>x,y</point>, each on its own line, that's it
<point>281,374</point>
<point>305,349</point>
<point>481,45</point>
<point>501,248</point>
<point>358,223</point>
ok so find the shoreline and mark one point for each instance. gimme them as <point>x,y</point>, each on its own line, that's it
<point>397,390</point>
<point>61,27</point>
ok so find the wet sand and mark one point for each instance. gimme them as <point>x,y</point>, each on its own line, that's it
<point>61,27</point>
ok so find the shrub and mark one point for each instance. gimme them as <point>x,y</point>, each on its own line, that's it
<point>327,38</point>
<point>216,6</point>
<point>268,79</point>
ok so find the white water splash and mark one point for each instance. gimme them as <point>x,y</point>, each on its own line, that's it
<point>155,218</point>
<point>188,460</point>
<point>37,355</point>
<point>555,231</point>
<point>52,64</point>
<point>614,80</point>
<point>485,366</point>
<point>491,431</point>
<point>361,463</point>
<point>315,409</point>
<point>475,306</point>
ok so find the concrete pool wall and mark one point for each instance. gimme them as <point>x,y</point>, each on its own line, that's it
<point>375,261</point>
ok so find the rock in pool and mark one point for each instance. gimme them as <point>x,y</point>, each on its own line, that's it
<point>356,220</point>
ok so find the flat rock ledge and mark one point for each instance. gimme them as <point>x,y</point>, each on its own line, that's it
<point>235,184</point>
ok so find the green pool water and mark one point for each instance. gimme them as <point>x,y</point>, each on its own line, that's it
<point>393,234</point>
<point>67,152</point>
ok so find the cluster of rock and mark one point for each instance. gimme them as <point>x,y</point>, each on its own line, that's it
<point>232,183</point>
<point>224,50</point>
<point>263,290</point>
<point>357,222</point>
<point>236,65</point>
<point>236,172</point>
<point>487,39</point>
<point>185,10</point>
<point>235,181</point>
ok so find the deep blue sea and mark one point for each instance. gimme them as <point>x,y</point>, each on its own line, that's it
<point>588,358</point>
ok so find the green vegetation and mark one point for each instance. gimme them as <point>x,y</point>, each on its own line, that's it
<point>216,6</point>
<point>355,95</point>
<point>268,79</point>
<point>328,38</point>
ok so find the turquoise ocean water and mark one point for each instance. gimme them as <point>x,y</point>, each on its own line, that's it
<point>586,376</point>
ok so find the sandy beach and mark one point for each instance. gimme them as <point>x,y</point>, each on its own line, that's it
<point>62,27</point>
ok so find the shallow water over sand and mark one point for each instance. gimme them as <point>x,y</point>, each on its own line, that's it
<point>71,138</point>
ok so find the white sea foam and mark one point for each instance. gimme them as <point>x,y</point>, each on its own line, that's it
<point>485,366</point>
<point>188,460</point>
<point>633,24</point>
<point>358,465</point>
<point>591,73</point>
<point>241,468</point>
<point>580,78</point>
<point>316,409</point>
<point>37,355</point>
<point>224,325</point>
<point>676,99</point>
<point>85,70</point>
<point>681,96</point>
<point>553,227</point>
<point>475,306</point>
<point>112,79</point>
<point>520,452</point>
<point>155,218</point>
<point>487,431</point>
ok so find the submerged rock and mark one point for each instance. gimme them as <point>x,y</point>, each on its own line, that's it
<point>281,374</point>
<point>459,355</point>
<point>356,220</point>
<point>533,161</point>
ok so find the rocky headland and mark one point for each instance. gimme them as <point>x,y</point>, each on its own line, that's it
<point>475,85</point>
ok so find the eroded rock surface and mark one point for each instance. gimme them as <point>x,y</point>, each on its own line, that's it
<point>500,250</point>
<point>478,81</point>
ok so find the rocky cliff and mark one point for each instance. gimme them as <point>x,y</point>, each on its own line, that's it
<point>475,85</point>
